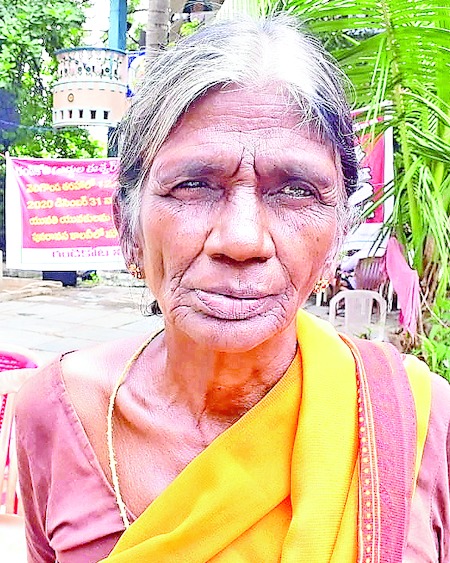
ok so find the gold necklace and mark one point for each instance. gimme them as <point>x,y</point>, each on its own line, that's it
<point>109,429</point>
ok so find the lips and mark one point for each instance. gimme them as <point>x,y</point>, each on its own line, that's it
<point>240,304</point>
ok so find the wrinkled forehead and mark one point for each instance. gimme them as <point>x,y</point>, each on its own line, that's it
<point>252,111</point>
<point>232,130</point>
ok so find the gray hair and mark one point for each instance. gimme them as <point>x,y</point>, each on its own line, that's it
<point>244,52</point>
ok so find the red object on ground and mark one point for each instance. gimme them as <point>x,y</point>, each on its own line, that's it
<point>14,360</point>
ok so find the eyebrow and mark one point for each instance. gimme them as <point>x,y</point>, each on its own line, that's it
<point>289,168</point>
<point>298,171</point>
<point>202,168</point>
<point>193,169</point>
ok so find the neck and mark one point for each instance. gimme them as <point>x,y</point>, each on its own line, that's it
<point>219,386</point>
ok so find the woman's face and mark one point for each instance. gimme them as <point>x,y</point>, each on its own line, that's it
<point>238,219</point>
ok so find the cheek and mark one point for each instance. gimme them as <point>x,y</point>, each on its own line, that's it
<point>315,225</point>
<point>306,241</point>
<point>171,237</point>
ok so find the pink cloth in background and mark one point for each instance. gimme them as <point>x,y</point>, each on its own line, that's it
<point>405,281</point>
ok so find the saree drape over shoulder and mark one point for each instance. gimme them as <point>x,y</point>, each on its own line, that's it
<point>322,469</point>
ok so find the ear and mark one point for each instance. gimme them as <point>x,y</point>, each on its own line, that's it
<point>328,270</point>
<point>117,211</point>
<point>132,254</point>
<point>137,249</point>
<point>131,249</point>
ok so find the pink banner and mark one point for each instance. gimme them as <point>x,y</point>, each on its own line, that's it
<point>372,168</point>
<point>375,173</point>
<point>66,203</point>
<point>65,207</point>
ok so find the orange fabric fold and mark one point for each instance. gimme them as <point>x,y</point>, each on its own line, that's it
<point>279,485</point>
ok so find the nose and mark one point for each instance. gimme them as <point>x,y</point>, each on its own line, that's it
<point>241,231</point>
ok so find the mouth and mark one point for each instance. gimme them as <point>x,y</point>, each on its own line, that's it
<point>234,304</point>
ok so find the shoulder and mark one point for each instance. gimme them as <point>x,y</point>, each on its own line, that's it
<point>440,409</point>
<point>96,366</point>
<point>430,516</point>
<point>439,387</point>
<point>441,395</point>
<point>83,378</point>
<point>38,395</point>
<point>89,375</point>
<point>432,399</point>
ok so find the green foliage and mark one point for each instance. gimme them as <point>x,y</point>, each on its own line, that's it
<point>136,20</point>
<point>189,28</point>
<point>30,33</point>
<point>435,348</point>
<point>186,29</point>
<point>70,142</point>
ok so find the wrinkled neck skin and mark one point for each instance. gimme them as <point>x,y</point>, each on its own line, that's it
<point>221,386</point>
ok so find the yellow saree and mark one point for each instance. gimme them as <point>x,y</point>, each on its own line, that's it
<point>294,480</point>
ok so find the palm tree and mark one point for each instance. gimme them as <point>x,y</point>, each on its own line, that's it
<point>157,26</point>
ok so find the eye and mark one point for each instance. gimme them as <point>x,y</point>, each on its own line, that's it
<point>191,185</point>
<point>194,190</point>
<point>296,191</point>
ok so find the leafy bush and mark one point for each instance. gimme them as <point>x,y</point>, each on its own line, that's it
<point>435,347</point>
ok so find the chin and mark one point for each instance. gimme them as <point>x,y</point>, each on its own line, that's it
<point>233,336</point>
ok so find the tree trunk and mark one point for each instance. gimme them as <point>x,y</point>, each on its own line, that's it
<point>157,26</point>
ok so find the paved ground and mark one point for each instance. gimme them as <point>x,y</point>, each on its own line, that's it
<point>49,318</point>
<point>68,318</point>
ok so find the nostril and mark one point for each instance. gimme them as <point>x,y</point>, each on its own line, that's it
<point>228,260</point>
<point>239,238</point>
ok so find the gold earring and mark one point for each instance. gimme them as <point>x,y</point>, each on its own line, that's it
<point>135,271</point>
<point>321,285</point>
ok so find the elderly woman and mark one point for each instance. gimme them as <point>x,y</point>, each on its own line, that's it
<point>246,430</point>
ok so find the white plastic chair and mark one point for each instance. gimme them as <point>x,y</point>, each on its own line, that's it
<point>13,547</point>
<point>12,377</point>
<point>360,319</point>
<point>12,525</point>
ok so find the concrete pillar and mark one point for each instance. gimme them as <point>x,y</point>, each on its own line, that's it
<point>118,25</point>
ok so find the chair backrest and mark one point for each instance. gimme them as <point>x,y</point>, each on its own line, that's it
<point>8,458</point>
<point>17,357</point>
<point>16,366</point>
<point>360,319</point>
<point>370,273</point>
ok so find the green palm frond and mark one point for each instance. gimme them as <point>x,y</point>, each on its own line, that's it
<point>232,8</point>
